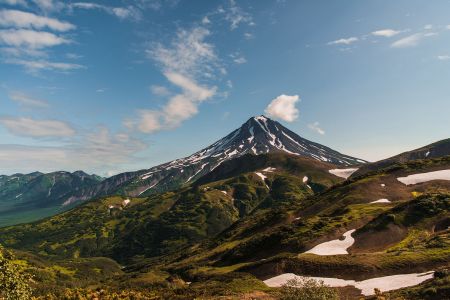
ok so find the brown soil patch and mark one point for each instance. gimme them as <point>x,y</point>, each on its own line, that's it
<point>374,241</point>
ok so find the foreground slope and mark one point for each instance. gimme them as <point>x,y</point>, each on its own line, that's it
<point>254,218</point>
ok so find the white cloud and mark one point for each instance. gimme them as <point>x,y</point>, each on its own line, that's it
<point>386,32</point>
<point>443,57</point>
<point>236,15</point>
<point>109,148</point>
<point>409,41</point>
<point>159,90</point>
<point>34,66</point>
<point>283,107</point>
<point>188,54</point>
<point>20,51</point>
<point>49,5</point>
<point>248,36</point>
<point>73,56</point>
<point>428,27</point>
<point>187,58</point>
<point>179,108</point>
<point>98,151</point>
<point>21,19</point>
<point>122,13</point>
<point>149,121</point>
<point>346,41</point>
<point>206,20</point>
<point>316,127</point>
<point>240,60</point>
<point>26,100</point>
<point>30,38</point>
<point>23,126</point>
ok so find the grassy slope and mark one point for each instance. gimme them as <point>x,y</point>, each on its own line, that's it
<point>162,223</point>
<point>267,243</point>
<point>252,230</point>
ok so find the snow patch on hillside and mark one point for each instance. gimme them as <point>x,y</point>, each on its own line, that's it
<point>334,247</point>
<point>425,177</point>
<point>384,284</point>
<point>343,173</point>
<point>381,201</point>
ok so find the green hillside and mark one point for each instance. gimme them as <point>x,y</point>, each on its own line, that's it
<point>233,229</point>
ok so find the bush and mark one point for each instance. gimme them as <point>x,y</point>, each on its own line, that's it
<point>13,281</point>
<point>307,289</point>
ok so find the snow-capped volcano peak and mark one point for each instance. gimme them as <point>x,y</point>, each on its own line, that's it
<point>258,135</point>
<point>262,135</point>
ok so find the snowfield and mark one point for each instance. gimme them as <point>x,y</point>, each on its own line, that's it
<point>425,177</point>
<point>334,247</point>
<point>381,201</point>
<point>386,283</point>
<point>343,173</point>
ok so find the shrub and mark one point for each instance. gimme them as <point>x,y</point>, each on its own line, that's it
<point>307,289</point>
<point>13,281</point>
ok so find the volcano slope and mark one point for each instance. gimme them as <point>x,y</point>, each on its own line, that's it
<point>241,225</point>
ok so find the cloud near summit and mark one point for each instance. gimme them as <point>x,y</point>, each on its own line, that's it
<point>283,108</point>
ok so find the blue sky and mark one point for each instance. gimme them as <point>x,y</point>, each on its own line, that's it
<point>110,86</point>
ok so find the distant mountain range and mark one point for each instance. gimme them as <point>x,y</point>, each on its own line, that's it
<point>25,197</point>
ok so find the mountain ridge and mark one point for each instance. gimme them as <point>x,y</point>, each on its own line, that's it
<point>256,136</point>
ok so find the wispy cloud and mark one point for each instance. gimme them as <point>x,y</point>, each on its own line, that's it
<point>49,5</point>
<point>30,38</point>
<point>238,58</point>
<point>443,57</point>
<point>25,42</point>
<point>179,108</point>
<point>316,127</point>
<point>409,41</point>
<point>344,41</point>
<point>96,151</point>
<point>188,53</point>
<point>187,58</point>
<point>23,126</point>
<point>386,32</point>
<point>21,19</point>
<point>25,100</point>
<point>123,13</point>
<point>159,90</point>
<point>34,66</point>
<point>283,108</point>
<point>235,15</point>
